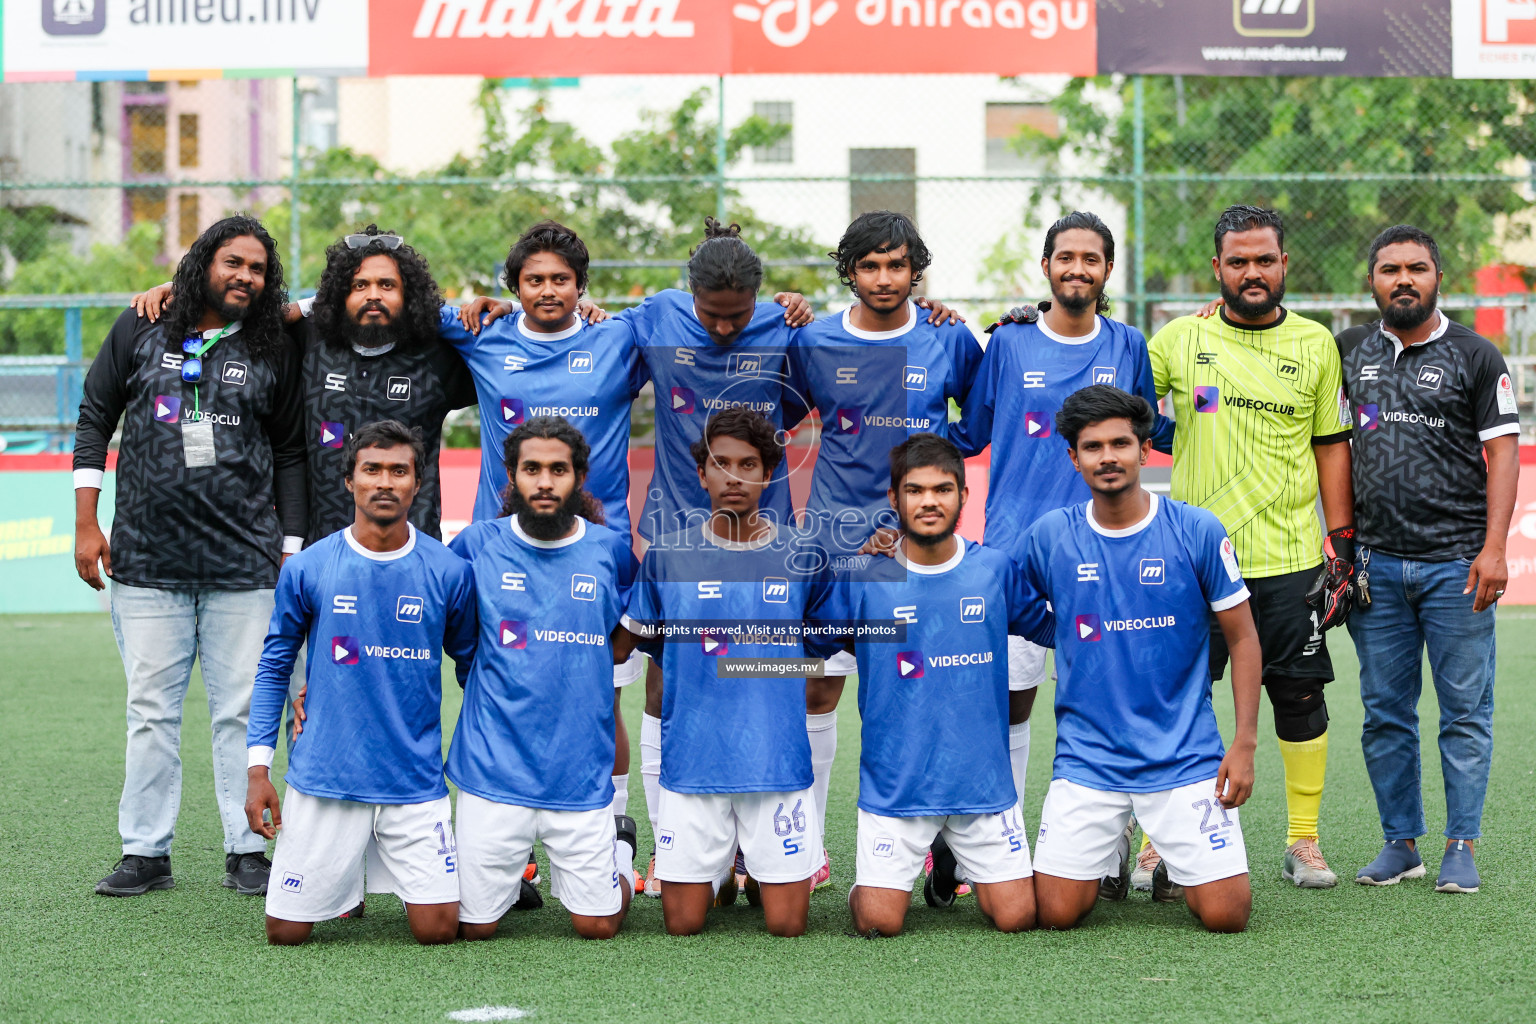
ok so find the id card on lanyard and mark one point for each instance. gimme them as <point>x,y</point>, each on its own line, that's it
<point>197,447</point>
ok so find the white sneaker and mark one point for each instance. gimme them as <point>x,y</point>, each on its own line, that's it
<point>1305,867</point>
<point>1146,863</point>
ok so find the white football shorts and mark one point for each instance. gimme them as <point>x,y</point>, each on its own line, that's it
<point>842,664</point>
<point>317,868</point>
<point>1026,664</point>
<point>1199,839</point>
<point>988,847</point>
<point>495,840</point>
<point>631,669</point>
<point>697,835</point>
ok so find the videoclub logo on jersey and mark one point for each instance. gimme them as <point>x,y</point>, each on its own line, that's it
<point>848,419</point>
<point>1430,377</point>
<point>1037,424</point>
<point>776,590</point>
<point>332,435</point>
<point>512,411</point>
<point>579,362</point>
<point>683,399</point>
<point>744,364</point>
<point>973,609</point>
<point>513,634</point>
<point>1368,417</point>
<point>408,609</point>
<point>1104,375</point>
<point>1088,627</point>
<point>1151,572</point>
<point>167,409</point>
<point>234,373</point>
<point>714,643</point>
<point>915,378</point>
<point>583,587</point>
<point>910,664</point>
<point>74,17</point>
<point>345,650</point>
<point>399,389</point>
<point>1207,398</point>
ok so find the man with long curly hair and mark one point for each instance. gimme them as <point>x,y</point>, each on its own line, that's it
<point>210,500</point>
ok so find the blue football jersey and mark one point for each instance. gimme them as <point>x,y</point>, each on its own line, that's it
<point>1133,610</point>
<point>536,728</point>
<point>708,599</point>
<point>695,377</point>
<point>1027,372</point>
<point>934,695</point>
<point>377,625</point>
<point>873,390</point>
<point>589,375</point>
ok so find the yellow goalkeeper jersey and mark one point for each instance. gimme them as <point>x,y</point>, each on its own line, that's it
<point>1249,402</point>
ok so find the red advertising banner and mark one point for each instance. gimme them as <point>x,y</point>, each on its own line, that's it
<point>517,38</point>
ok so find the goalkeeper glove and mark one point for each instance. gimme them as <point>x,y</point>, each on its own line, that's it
<point>1333,592</point>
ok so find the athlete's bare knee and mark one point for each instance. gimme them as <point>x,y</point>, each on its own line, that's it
<point>477,932</point>
<point>287,933</point>
<point>597,927</point>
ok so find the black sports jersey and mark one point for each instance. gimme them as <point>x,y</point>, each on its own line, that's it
<point>343,390</point>
<point>208,527</point>
<point>1420,418</point>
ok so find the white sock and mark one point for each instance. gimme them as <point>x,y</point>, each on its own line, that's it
<point>1018,754</point>
<point>823,735</point>
<point>620,794</point>
<point>650,766</point>
<point>626,853</point>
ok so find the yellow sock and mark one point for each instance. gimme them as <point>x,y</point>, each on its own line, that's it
<point>1305,765</point>
<point>1146,840</point>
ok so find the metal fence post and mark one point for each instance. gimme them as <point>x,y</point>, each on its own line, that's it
<point>720,152</point>
<point>295,247</point>
<point>69,392</point>
<point>1139,201</point>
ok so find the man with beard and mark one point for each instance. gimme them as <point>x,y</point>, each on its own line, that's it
<point>1257,395</point>
<point>1034,360</point>
<point>924,774</point>
<point>534,747</point>
<point>1431,400</point>
<point>210,500</point>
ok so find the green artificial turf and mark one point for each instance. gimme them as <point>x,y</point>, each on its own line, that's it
<point>197,953</point>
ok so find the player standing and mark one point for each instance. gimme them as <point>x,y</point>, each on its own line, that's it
<point>534,743</point>
<point>382,601</point>
<point>732,586</point>
<point>1132,580</point>
<point>1256,392</point>
<point>922,775</point>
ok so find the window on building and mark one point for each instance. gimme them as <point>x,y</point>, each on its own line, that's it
<point>783,151</point>
<point>187,221</point>
<point>1005,121</point>
<point>898,196</point>
<point>187,136</point>
<point>146,139</point>
<point>146,206</point>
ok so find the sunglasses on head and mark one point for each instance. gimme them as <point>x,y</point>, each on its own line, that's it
<point>390,242</point>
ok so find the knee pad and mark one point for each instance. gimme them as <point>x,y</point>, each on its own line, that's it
<point>1301,712</point>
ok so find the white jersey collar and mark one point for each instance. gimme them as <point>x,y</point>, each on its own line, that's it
<point>933,570</point>
<point>1129,531</point>
<point>1098,325</point>
<point>881,335</point>
<point>517,531</point>
<point>382,556</point>
<point>569,332</point>
<point>741,545</point>
<point>1397,343</point>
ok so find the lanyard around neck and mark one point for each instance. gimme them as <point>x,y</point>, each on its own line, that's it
<point>197,405</point>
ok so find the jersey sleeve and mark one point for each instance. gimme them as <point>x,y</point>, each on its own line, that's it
<point>289,625</point>
<point>1329,419</point>
<point>462,630</point>
<point>797,399</point>
<point>1028,614</point>
<point>284,427</point>
<point>643,614</point>
<point>459,387</point>
<point>103,398</point>
<point>1162,426</point>
<point>972,432</point>
<point>966,355</point>
<point>628,569</point>
<point>1494,411</point>
<point>452,331</point>
<point>467,543</point>
<point>826,604</point>
<point>1160,357</point>
<point>1221,578</point>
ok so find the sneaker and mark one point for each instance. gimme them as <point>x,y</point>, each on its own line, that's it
<point>531,872</point>
<point>1396,861</point>
<point>726,895</point>
<point>1457,872</point>
<point>355,913</point>
<point>247,873</point>
<point>940,885</point>
<point>1146,863</point>
<point>1118,885</point>
<point>1305,867</point>
<point>823,874</point>
<point>652,883</point>
<point>1165,889</point>
<point>624,829</point>
<point>135,875</point>
<point>528,897</point>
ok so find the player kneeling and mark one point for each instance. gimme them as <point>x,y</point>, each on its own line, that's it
<point>365,776</point>
<point>1133,579</point>
<point>934,758</point>
<point>533,752</point>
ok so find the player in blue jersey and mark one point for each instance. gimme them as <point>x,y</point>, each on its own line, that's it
<point>733,586</point>
<point>365,775</point>
<point>1034,360</point>
<point>876,374</point>
<point>535,738</point>
<point>1133,580</point>
<point>922,775</point>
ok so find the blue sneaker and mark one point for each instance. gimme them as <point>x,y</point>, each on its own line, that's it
<point>1396,861</point>
<point>1457,872</point>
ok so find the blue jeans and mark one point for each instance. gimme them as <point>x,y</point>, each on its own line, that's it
<point>159,634</point>
<point>1414,606</point>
